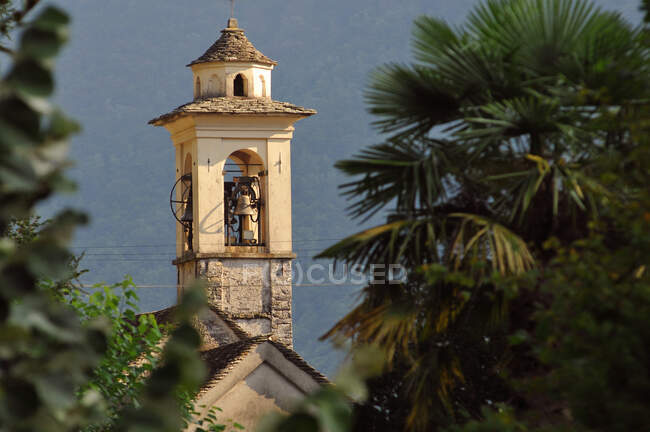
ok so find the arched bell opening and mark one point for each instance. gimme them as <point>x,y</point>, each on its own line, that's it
<point>244,199</point>
<point>239,85</point>
<point>181,202</point>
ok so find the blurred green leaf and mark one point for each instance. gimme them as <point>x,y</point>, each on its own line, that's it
<point>32,78</point>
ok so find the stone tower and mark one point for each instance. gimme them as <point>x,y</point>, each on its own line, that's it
<point>232,197</point>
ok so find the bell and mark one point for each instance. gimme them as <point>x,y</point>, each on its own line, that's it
<point>187,215</point>
<point>243,207</point>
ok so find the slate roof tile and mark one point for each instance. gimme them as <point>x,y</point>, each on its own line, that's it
<point>221,360</point>
<point>234,105</point>
<point>233,46</point>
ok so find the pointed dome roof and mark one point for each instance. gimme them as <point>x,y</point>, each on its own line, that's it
<point>233,46</point>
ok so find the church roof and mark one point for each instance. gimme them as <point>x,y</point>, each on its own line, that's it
<point>221,360</point>
<point>235,106</point>
<point>233,46</point>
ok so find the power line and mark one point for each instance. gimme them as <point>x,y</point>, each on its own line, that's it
<point>174,245</point>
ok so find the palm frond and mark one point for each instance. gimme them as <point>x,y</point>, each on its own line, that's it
<point>398,242</point>
<point>515,117</point>
<point>479,237</point>
<point>432,37</point>
<point>409,174</point>
<point>389,325</point>
<point>410,100</point>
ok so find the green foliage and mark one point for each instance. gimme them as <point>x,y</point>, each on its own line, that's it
<point>502,419</point>
<point>591,334</point>
<point>46,353</point>
<point>135,342</point>
<point>22,231</point>
<point>133,350</point>
<point>181,370</point>
<point>7,17</point>
<point>645,8</point>
<point>133,346</point>
<point>211,423</point>
<point>69,359</point>
<point>498,136</point>
<point>594,335</point>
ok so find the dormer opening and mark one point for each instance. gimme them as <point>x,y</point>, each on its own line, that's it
<point>239,86</point>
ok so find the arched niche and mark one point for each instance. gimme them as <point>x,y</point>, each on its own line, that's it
<point>244,199</point>
<point>197,88</point>
<point>263,84</point>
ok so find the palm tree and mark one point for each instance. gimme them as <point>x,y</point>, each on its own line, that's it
<point>495,135</point>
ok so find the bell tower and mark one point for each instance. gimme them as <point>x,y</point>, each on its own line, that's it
<point>232,193</point>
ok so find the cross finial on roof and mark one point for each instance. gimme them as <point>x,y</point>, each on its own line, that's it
<point>232,22</point>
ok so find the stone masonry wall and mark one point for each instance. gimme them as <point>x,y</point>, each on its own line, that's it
<point>281,320</point>
<point>256,293</point>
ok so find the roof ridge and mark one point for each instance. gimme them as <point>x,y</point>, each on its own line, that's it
<point>300,362</point>
<point>224,358</point>
<point>239,332</point>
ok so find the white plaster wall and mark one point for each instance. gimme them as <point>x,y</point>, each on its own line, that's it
<point>208,189</point>
<point>262,82</point>
<point>216,85</point>
<point>179,172</point>
<point>193,150</point>
<point>263,381</point>
<point>279,195</point>
<point>262,392</point>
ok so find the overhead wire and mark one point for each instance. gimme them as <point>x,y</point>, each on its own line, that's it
<point>174,245</point>
<point>111,254</point>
